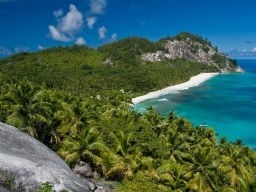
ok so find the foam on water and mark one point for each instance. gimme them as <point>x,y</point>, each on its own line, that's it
<point>164,99</point>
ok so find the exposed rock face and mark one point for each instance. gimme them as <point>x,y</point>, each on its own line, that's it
<point>191,51</point>
<point>108,62</point>
<point>31,163</point>
<point>239,70</point>
<point>153,57</point>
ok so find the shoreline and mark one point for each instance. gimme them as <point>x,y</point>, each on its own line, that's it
<point>193,81</point>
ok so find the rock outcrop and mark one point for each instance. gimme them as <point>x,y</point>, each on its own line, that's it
<point>30,163</point>
<point>83,169</point>
<point>192,51</point>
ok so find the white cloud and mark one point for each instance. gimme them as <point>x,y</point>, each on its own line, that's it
<point>113,37</point>
<point>40,47</point>
<point>97,6</point>
<point>102,32</point>
<point>242,53</point>
<point>58,13</point>
<point>68,25</point>
<point>80,41</point>
<point>21,49</point>
<point>4,51</point>
<point>72,22</point>
<point>91,21</point>
<point>56,35</point>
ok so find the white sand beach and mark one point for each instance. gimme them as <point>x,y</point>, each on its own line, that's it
<point>194,81</point>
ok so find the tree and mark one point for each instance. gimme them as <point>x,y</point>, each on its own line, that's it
<point>86,143</point>
<point>235,163</point>
<point>73,118</point>
<point>28,111</point>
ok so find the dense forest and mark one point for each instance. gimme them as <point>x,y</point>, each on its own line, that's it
<point>78,103</point>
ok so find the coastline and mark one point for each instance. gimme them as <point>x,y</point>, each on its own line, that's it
<point>194,81</point>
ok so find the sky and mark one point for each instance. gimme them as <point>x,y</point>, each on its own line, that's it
<point>32,25</point>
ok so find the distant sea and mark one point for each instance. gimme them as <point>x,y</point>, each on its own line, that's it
<point>226,103</point>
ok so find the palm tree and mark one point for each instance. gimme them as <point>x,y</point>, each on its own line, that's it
<point>73,118</point>
<point>176,144</point>
<point>122,143</point>
<point>236,164</point>
<point>206,136</point>
<point>26,108</point>
<point>153,117</point>
<point>124,148</point>
<point>80,145</point>
<point>113,166</point>
<point>171,173</point>
<point>203,169</point>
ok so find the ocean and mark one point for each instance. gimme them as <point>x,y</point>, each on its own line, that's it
<point>226,103</point>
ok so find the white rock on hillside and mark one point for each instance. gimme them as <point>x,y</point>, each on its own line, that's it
<point>188,50</point>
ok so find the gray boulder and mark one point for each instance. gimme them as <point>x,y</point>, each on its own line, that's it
<point>30,163</point>
<point>83,169</point>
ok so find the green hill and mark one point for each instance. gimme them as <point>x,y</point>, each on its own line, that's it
<point>84,71</point>
<point>76,100</point>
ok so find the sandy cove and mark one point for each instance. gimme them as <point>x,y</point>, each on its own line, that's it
<point>194,81</point>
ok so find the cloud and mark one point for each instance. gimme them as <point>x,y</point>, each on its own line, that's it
<point>102,32</point>
<point>235,53</point>
<point>72,22</point>
<point>58,13</point>
<point>249,42</point>
<point>97,6</point>
<point>40,47</point>
<point>21,49</point>
<point>68,25</point>
<point>113,37</point>
<point>4,51</point>
<point>91,21</point>
<point>80,41</point>
<point>56,35</point>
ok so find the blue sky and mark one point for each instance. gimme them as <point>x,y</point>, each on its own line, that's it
<point>31,25</point>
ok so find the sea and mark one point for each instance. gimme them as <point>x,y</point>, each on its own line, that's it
<point>226,103</point>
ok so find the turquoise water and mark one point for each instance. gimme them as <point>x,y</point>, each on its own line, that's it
<point>226,103</point>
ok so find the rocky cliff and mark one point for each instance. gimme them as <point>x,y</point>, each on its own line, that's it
<point>30,163</point>
<point>192,48</point>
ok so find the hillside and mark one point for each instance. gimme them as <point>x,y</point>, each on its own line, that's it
<point>76,100</point>
<point>185,46</point>
<point>133,64</point>
<point>192,48</point>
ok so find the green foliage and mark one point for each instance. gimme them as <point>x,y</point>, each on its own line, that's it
<point>220,60</point>
<point>184,36</point>
<point>233,62</point>
<point>80,70</point>
<point>206,48</point>
<point>122,145</point>
<point>127,51</point>
<point>45,187</point>
<point>67,98</point>
<point>140,183</point>
<point>9,184</point>
<point>48,187</point>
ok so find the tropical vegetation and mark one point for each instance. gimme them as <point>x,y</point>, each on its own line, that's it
<point>66,98</point>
